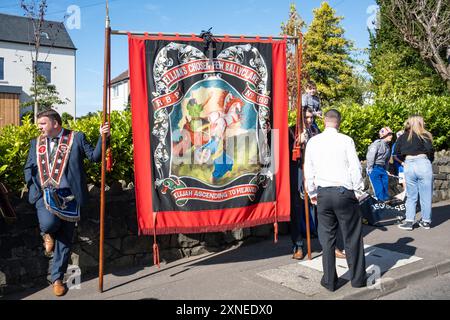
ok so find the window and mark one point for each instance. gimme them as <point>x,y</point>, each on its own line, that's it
<point>44,69</point>
<point>2,70</point>
<point>116,91</point>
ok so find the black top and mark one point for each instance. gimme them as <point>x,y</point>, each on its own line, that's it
<point>414,147</point>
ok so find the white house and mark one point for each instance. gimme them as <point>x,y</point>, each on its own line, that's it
<point>56,60</point>
<point>120,91</point>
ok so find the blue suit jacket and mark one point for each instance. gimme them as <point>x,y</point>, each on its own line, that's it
<point>74,170</point>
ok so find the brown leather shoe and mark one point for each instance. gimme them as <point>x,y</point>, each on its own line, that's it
<point>298,255</point>
<point>49,244</point>
<point>339,254</point>
<point>59,288</point>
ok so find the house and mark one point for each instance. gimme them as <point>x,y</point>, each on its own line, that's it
<point>56,62</point>
<point>120,91</point>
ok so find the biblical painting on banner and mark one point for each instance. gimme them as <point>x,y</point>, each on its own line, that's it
<point>209,132</point>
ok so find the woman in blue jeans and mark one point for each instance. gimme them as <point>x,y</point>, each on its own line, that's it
<point>415,150</point>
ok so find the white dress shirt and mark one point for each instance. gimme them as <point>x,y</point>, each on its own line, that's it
<point>52,143</point>
<point>331,161</point>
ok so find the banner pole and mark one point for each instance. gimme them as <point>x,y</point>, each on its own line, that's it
<point>155,34</point>
<point>104,116</point>
<point>296,152</point>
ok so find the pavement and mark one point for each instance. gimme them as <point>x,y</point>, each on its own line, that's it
<point>265,271</point>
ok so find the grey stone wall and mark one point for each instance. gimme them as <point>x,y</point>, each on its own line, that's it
<point>23,265</point>
<point>441,174</point>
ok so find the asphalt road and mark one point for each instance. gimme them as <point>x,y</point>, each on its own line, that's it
<point>437,288</point>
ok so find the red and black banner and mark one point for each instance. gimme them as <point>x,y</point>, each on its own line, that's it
<point>209,133</point>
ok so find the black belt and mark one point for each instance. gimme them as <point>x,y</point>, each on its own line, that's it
<point>318,188</point>
<point>339,188</point>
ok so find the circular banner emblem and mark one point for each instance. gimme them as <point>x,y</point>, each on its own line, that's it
<point>63,148</point>
<point>42,149</point>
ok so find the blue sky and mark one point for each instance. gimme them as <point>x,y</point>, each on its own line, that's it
<point>249,17</point>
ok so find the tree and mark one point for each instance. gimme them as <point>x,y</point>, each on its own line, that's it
<point>36,10</point>
<point>36,13</point>
<point>45,93</point>
<point>292,27</point>
<point>396,68</point>
<point>425,25</point>
<point>66,117</point>
<point>88,115</point>
<point>326,55</point>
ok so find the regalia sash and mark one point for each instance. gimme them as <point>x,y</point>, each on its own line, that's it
<point>57,201</point>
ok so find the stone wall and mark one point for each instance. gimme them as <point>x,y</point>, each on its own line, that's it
<point>23,265</point>
<point>441,174</point>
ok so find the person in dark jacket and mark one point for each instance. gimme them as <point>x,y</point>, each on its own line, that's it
<point>298,214</point>
<point>297,227</point>
<point>56,183</point>
<point>415,149</point>
<point>311,100</point>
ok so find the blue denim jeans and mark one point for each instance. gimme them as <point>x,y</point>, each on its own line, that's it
<point>380,182</point>
<point>419,182</point>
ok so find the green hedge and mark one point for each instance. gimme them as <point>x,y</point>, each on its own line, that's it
<point>121,145</point>
<point>362,123</point>
<point>14,145</point>
<point>15,141</point>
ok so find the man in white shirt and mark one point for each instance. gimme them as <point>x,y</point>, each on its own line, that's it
<point>333,176</point>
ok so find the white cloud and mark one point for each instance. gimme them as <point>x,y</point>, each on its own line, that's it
<point>96,72</point>
<point>155,9</point>
<point>152,7</point>
<point>165,19</point>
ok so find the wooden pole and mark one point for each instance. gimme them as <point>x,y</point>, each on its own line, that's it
<point>308,234</point>
<point>296,152</point>
<point>184,35</point>
<point>105,110</point>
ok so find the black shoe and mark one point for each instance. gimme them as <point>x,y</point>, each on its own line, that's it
<point>407,225</point>
<point>362,282</point>
<point>331,289</point>
<point>360,285</point>
<point>425,225</point>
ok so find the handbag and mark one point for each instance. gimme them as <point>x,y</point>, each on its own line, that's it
<point>381,213</point>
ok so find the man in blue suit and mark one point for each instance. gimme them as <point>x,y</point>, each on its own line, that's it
<point>56,181</point>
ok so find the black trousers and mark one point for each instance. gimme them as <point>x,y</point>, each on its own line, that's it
<point>338,208</point>
<point>62,231</point>
<point>297,206</point>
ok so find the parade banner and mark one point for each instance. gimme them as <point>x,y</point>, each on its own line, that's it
<point>209,133</point>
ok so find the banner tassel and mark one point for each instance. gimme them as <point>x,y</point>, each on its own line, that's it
<point>275,225</point>
<point>109,160</point>
<point>275,230</point>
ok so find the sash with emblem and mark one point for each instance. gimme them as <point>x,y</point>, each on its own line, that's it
<point>58,201</point>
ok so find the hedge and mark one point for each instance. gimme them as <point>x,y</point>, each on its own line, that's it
<point>362,123</point>
<point>15,142</point>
